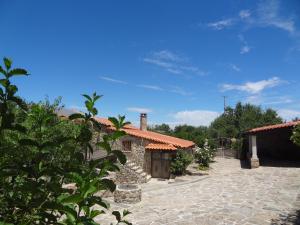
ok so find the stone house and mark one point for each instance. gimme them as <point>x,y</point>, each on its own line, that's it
<point>148,153</point>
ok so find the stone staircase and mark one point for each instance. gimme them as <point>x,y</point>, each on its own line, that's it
<point>138,171</point>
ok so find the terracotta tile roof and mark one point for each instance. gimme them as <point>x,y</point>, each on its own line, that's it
<point>149,135</point>
<point>276,126</point>
<point>153,146</point>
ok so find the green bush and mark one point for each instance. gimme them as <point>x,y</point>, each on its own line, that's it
<point>40,152</point>
<point>296,135</point>
<point>204,155</point>
<point>180,162</point>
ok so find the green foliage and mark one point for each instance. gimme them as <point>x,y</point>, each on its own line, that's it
<point>204,155</point>
<point>41,152</point>
<point>234,122</point>
<point>296,135</point>
<point>180,162</point>
<point>195,134</point>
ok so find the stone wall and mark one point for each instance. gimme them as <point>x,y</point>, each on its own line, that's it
<point>128,176</point>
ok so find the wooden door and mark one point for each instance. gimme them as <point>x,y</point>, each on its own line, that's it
<point>160,166</point>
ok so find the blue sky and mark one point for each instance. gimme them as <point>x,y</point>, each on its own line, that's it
<point>172,59</point>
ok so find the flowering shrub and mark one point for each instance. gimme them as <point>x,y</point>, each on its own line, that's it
<point>204,155</point>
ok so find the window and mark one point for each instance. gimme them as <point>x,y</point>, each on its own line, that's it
<point>127,146</point>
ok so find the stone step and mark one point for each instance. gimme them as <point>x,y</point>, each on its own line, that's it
<point>148,178</point>
<point>131,164</point>
<point>135,168</point>
<point>140,171</point>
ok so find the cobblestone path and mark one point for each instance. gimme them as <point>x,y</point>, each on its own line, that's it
<point>228,195</point>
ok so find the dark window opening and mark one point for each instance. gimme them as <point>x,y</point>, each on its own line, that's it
<point>127,146</point>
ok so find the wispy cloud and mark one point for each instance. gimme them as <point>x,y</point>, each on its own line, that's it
<point>109,79</point>
<point>179,90</point>
<point>195,117</point>
<point>172,63</point>
<point>139,109</point>
<point>259,99</point>
<point>253,87</point>
<point>151,87</point>
<point>288,114</point>
<point>269,15</point>
<point>234,67</point>
<point>221,24</point>
<point>245,48</point>
<point>244,14</point>
<point>266,14</point>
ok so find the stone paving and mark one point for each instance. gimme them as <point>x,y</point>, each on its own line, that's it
<point>228,195</point>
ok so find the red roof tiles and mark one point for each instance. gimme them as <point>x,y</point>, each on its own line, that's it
<point>153,146</point>
<point>149,135</point>
<point>276,126</point>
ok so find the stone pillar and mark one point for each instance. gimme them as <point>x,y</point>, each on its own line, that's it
<point>254,161</point>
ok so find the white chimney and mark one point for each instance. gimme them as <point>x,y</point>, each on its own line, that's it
<point>143,121</point>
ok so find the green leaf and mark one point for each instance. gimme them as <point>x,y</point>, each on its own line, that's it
<point>7,63</point>
<point>99,201</point>
<point>4,82</point>
<point>76,116</point>
<point>114,121</point>
<point>22,104</point>
<point>76,198</point>
<point>126,212</point>
<point>88,189</point>
<point>12,89</point>
<point>87,97</point>
<point>4,223</point>
<point>17,72</point>
<point>95,213</point>
<point>117,214</point>
<point>105,145</point>
<point>29,142</point>
<point>117,134</point>
<point>108,184</point>
<point>2,71</point>
<point>75,177</point>
<point>120,155</point>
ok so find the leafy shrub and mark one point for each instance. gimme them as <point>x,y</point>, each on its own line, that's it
<point>180,162</point>
<point>204,155</point>
<point>40,152</point>
<point>296,135</point>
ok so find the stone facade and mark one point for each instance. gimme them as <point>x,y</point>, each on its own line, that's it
<point>128,193</point>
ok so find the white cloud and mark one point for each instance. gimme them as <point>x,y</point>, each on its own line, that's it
<point>139,109</point>
<point>244,14</point>
<point>179,90</point>
<point>109,79</point>
<point>245,49</point>
<point>288,114</point>
<point>195,117</point>
<point>268,100</point>
<point>172,63</point>
<point>151,87</point>
<point>168,55</point>
<point>253,87</point>
<point>235,67</point>
<point>268,15</point>
<point>220,25</point>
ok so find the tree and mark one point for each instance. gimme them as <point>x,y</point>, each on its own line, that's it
<point>40,152</point>
<point>235,121</point>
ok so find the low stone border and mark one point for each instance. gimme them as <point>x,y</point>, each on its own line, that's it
<point>128,193</point>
